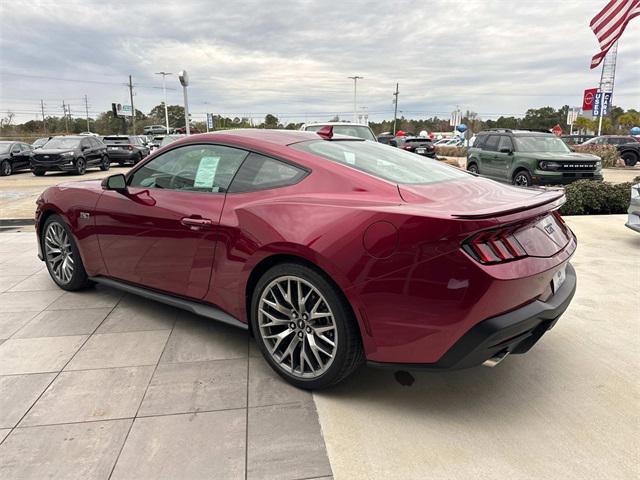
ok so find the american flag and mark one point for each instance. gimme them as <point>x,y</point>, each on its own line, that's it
<point>609,24</point>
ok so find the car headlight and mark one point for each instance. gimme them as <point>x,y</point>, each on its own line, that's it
<point>67,154</point>
<point>546,165</point>
<point>598,164</point>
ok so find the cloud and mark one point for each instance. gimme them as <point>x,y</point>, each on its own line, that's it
<point>293,58</point>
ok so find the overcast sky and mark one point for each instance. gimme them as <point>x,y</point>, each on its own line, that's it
<point>292,58</point>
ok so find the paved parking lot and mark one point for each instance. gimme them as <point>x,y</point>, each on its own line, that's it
<point>100,384</point>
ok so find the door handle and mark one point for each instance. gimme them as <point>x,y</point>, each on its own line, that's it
<point>196,223</point>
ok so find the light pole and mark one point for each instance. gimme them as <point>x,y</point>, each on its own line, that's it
<point>164,91</point>
<point>355,79</point>
<point>184,81</point>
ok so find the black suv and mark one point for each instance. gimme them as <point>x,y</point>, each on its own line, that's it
<point>630,152</point>
<point>14,156</point>
<point>525,158</point>
<point>125,149</point>
<point>71,153</point>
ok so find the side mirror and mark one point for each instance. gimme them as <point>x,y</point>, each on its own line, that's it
<point>116,182</point>
<point>506,150</point>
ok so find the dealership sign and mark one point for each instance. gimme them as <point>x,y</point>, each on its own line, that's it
<point>587,99</point>
<point>600,102</point>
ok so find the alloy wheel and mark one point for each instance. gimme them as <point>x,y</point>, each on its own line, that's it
<point>297,327</point>
<point>81,166</point>
<point>6,168</point>
<point>58,252</point>
<point>521,180</point>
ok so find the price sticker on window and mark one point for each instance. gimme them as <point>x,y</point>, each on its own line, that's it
<point>206,173</point>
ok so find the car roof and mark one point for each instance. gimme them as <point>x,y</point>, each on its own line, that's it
<point>277,137</point>
<point>521,133</point>
<point>76,137</point>
<point>350,124</point>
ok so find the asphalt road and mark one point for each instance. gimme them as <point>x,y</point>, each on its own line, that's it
<point>569,408</point>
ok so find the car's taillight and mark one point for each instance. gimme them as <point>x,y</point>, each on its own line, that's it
<point>407,147</point>
<point>494,246</point>
<point>130,147</point>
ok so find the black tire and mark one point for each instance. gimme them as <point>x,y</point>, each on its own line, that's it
<point>38,172</point>
<point>80,166</point>
<point>79,278</point>
<point>121,164</point>
<point>105,165</point>
<point>473,168</point>
<point>630,158</point>
<point>522,178</point>
<point>5,168</point>
<point>137,159</point>
<point>349,354</point>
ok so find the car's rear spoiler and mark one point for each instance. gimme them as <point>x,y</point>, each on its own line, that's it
<point>553,198</point>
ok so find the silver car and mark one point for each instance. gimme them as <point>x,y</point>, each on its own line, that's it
<point>634,209</point>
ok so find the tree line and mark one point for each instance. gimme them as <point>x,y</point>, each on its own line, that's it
<point>618,121</point>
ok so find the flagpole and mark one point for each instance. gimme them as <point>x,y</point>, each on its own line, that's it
<point>607,79</point>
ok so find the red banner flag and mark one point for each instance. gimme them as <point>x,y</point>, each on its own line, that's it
<point>587,99</point>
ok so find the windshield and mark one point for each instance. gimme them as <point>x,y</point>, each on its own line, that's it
<point>358,131</point>
<point>63,142</point>
<point>4,147</point>
<point>383,161</point>
<point>39,142</point>
<point>541,144</point>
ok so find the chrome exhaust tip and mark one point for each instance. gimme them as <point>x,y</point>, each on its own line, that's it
<point>496,359</point>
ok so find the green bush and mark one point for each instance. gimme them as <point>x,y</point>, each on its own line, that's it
<point>608,153</point>
<point>451,151</point>
<point>586,197</point>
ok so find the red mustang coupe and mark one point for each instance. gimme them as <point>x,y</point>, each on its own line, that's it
<point>331,250</point>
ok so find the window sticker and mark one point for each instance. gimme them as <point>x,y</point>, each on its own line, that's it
<point>206,172</point>
<point>350,158</point>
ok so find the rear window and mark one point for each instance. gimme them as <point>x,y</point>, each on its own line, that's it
<point>121,140</point>
<point>417,140</point>
<point>382,161</point>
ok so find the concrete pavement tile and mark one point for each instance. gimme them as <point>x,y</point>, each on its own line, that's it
<point>192,446</point>
<point>3,433</point>
<point>88,395</point>
<point>11,322</point>
<point>36,282</point>
<point>253,348</point>
<point>98,297</point>
<point>120,350</point>
<point>17,394</point>
<point>55,323</point>
<point>196,386</point>
<point>266,387</point>
<point>202,339</point>
<point>285,442</point>
<point>139,314</point>
<point>80,451</point>
<point>22,265</point>
<point>7,282</point>
<point>36,355</point>
<point>23,302</point>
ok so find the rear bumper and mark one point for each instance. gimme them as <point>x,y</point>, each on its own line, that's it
<point>513,332</point>
<point>115,155</point>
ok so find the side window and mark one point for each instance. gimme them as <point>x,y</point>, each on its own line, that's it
<point>16,148</point>
<point>492,143</point>
<point>259,173</point>
<point>505,143</point>
<point>85,143</point>
<point>195,168</point>
<point>479,142</point>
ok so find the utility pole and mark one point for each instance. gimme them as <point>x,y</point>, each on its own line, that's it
<point>133,110</point>
<point>184,81</point>
<point>164,90</point>
<point>44,120</point>
<point>355,79</point>
<point>66,119</point>
<point>86,108</point>
<point>395,110</point>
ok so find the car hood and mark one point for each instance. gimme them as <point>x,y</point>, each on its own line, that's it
<point>566,157</point>
<point>82,184</point>
<point>477,197</point>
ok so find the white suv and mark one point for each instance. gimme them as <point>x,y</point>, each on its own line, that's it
<point>343,128</point>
